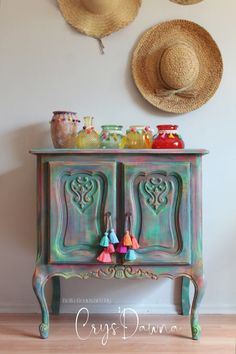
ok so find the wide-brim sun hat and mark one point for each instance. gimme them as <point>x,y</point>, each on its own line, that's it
<point>99,18</point>
<point>186,2</point>
<point>177,66</point>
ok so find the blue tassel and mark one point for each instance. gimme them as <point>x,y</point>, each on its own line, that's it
<point>130,255</point>
<point>105,240</point>
<point>113,237</point>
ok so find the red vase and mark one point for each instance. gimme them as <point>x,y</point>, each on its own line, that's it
<point>167,138</point>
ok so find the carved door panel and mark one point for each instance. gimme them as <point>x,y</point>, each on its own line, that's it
<point>80,195</point>
<point>158,197</point>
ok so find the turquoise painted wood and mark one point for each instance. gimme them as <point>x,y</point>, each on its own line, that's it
<point>80,197</point>
<point>185,296</point>
<point>158,197</point>
<point>161,192</point>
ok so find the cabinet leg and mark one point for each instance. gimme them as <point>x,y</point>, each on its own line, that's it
<point>56,295</point>
<point>198,294</point>
<point>39,281</point>
<point>185,303</point>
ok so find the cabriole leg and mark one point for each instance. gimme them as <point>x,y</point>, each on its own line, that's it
<point>185,296</point>
<point>56,295</point>
<point>198,294</point>
<point>39,281</point>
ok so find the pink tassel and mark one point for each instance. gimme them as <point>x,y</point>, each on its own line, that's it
<point>111,248</point>
<point>121,249</point>
<point>135,244</point>
<point>104,257</point>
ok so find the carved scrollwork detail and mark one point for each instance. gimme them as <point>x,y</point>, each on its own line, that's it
<point>155,191</point>
<point>119,272</point>
<point>83,188</point>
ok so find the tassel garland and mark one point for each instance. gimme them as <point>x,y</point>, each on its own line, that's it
<point>107,242</point>
<point>126,246</point>
<point>129,243</point>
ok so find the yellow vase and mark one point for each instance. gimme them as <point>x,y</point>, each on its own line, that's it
<point>138,137</point>
<point>88,138</point>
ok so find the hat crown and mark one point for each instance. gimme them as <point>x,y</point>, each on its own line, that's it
<point>100,7</point>
<point>178,66</point>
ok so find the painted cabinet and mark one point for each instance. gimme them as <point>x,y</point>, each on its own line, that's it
<point>160,193</point>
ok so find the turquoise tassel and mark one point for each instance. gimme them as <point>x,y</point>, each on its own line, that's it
<point>130,255</point>
<point>105,240</point>
<point>113,237</point>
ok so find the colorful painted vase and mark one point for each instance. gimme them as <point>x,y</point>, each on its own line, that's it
<point>167,138</point>
<point>88,138</point>
<point>64,129</point>
<point>111,137</point>
<point>138,137</point>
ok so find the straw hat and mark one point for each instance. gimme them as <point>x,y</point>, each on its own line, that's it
<point>186,2</point>
<point>177,66</point>
<point>99,18</point>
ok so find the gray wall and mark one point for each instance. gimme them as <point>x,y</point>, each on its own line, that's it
<point>45,65</point>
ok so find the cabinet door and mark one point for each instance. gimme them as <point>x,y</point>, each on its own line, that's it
<point>158,197</point>
<point>80,195</point>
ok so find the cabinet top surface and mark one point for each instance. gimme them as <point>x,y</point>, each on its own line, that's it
<point>119,151</point>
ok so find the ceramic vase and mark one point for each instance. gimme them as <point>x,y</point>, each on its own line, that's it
<point>64,129</point>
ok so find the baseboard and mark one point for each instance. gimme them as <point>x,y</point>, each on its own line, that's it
<point>116,308</point>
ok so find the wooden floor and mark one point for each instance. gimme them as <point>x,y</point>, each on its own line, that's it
<point>19,334</point>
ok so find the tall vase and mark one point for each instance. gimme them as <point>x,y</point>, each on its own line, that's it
<point>88,138</point>
<point>64,129</point>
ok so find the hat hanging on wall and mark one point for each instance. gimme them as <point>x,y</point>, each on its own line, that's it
<point>186,2</point>
<point>99,18</point>
<point>177,66</point>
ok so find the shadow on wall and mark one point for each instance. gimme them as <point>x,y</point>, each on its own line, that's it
<point>18,189</point>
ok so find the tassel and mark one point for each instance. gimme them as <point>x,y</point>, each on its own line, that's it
<point>130,255</point>
<point>121,248</point>
<point>127,239</point>
<point>113,237</point>
<point>111,248</point>
<point>135,244</point>
<point>105,240</point>
<point>104,257</point>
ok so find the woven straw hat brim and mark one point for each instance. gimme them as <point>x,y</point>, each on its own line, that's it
<point>186,2</point>
<point>150,47</point>
<point>97,25</point>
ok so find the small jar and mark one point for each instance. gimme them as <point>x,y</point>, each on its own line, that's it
<point>88,138</point>
<point>167,138</point>
<point>138,137</point>
<point>64,129</point>
<point>111,137</point>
